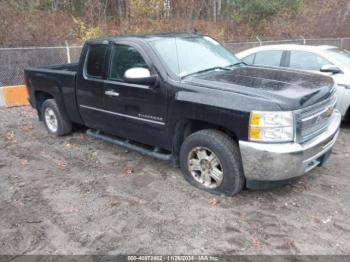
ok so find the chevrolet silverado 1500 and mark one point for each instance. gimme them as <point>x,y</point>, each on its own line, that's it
<point>185,98</point>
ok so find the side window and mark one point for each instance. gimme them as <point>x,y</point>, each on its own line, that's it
<point>306,61</point>
<point>249,60</point>
<point>269,58</point>
<point>124,57</point>
<point>95,63</point>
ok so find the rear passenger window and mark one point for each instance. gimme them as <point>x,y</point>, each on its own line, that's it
<point>268,58</point>
<point>96,60</point>
<point>249,60</point>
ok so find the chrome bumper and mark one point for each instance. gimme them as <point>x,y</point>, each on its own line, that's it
<point>276,162</point>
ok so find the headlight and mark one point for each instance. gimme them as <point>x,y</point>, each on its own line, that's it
<point>271,127</point>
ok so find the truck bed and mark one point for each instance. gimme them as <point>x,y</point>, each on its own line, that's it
<point>63,67</point>
<point>57,81</point>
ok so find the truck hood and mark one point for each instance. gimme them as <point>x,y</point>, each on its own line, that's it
<point>290,89</point>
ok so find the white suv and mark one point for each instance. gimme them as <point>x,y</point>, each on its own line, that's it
<point>329,60</point>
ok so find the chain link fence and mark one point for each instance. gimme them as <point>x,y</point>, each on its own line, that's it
<point>15,60</point>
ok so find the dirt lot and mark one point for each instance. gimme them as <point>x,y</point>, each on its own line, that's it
<point>77,195</point>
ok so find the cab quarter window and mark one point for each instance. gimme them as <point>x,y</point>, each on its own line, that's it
<point>269,58</point>
<point>307,61</point>
<point>96,60</point>
<point>124,57</point>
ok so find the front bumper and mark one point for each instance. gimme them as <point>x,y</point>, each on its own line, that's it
<point>276,162</point>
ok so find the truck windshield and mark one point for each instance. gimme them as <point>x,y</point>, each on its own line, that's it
<point>342,56</point>
<point>186,56</point>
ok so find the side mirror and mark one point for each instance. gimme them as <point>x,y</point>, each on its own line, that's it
<point>331,69</point>
<point>139,75</point>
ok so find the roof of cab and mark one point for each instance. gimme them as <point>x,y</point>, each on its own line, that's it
<point>144,37</point>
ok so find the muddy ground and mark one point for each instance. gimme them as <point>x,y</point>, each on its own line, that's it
<point>77,195</point>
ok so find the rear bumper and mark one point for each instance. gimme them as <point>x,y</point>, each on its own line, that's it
<point>276,162</point>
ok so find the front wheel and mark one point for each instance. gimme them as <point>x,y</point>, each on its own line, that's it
<point>54,121</point>
<point>210,160</point>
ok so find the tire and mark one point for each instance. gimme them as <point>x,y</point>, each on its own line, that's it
<point>208,145</point>
<point>55,123</point>
<point>347,116</point>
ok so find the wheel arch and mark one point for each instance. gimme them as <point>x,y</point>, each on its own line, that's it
<point>40,98</point>
<point>186,127</point>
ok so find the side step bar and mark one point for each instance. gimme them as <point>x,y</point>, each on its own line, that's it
<point>126,143</point>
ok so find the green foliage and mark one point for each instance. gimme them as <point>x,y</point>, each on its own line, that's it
<point>239,10</point>
<point>145,8</point>
<point>84,32</point>
<point>254,10</point>
<point>98,17</point>
<point>66,6</point>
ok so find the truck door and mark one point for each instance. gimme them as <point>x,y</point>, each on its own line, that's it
<point>90,85</point>
<point>134,111</point>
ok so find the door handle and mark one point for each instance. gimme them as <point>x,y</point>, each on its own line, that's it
<point>111,93</point>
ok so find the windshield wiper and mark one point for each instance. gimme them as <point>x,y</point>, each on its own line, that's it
<point>236,64</point>
<point>207,70</point>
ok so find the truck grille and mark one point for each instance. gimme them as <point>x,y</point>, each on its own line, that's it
<point>314,120</point>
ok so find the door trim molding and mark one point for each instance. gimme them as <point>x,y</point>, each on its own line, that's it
<point>123,115</point>
<point>114,82</point>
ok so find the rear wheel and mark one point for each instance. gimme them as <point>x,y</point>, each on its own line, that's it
<point>210,160</point>
<point>54,121</point>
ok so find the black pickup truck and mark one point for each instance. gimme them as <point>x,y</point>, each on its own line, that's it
<point>185,98</point>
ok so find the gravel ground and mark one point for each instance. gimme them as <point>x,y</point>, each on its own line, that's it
<point>77,195</point>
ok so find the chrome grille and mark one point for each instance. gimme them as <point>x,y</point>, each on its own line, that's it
<point>314,120</point>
